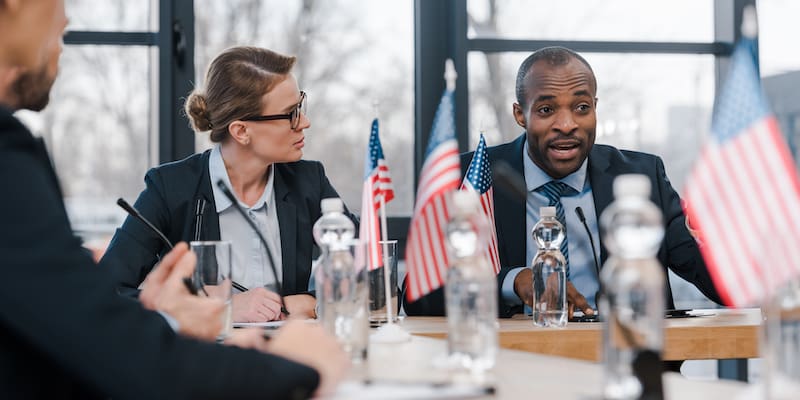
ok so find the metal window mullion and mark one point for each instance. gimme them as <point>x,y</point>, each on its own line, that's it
<point>494,45</point>
<point>175,42</point>
<point>110,38</point>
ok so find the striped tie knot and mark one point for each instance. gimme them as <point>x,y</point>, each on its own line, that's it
<point>553,190</point>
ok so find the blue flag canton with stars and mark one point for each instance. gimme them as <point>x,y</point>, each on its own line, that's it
<point>444,124</point>
<point>375,149</point>
<point>741,102</point>
<point>479,172</point>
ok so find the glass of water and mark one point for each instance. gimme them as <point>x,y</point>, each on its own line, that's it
<point>377,284</point>
<point>212,276</point>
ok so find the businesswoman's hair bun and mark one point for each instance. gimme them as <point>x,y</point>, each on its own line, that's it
<point>197,111</point>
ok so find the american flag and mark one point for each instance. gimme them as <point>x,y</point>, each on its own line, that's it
<point>479,179</point>
<point>426,258</point>
<point>743,195</point>
<point>377,185</point>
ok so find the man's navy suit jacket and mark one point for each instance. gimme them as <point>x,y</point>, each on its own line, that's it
<point>678,252</point>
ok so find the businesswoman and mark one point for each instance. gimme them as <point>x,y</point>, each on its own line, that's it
<point>253,110</point>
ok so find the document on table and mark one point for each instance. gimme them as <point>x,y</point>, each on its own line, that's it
<point>410,390</point>
<point>265,325</point>
<point>268,324</point>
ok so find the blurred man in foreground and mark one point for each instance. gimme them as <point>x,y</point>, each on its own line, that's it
<point>65,332</point>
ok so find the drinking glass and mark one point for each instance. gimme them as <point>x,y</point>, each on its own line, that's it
<point>212,276</point>
<point>377,284</point>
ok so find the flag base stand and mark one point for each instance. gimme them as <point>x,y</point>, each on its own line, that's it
<point>390,333</point>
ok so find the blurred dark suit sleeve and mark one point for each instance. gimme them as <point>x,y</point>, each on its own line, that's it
<point>66,333</point>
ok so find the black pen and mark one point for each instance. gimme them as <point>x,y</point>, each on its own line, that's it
<point>189,285</point>
<point>238,286</point>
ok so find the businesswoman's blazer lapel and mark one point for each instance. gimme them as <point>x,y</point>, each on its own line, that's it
<point>287,224</point>
<point>207,222</point>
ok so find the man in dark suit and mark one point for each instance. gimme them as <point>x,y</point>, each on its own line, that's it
<point>64,331</point>
<point>555,105</point>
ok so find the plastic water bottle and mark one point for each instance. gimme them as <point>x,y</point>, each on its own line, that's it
<point>633,301</point>
<point>340,283</point>
<point>549,271</point>
<point>333,228</point>
<point>471,287</point>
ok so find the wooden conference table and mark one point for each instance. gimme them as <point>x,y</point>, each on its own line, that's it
<point>517,375</point>
<point>722,334</point>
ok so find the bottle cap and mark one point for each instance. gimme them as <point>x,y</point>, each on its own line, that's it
<point>333,204</point>
<point>547,212</point>
<point>632,185</point>
<point>465,201</point>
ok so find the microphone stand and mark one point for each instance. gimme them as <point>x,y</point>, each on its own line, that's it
<point>582,218</point>
<point>224,188</point>
<point>187,281</point>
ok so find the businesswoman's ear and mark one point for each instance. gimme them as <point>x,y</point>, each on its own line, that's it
<point>239,132</point>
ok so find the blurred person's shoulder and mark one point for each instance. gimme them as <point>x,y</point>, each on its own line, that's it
<point>13,133</point>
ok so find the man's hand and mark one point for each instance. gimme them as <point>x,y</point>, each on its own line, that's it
<point>248,338</point>
<point>523,286</point>
<point>308,344</point>
<point>576,300</point>
<point>163,290</point>
<point>257,305</point>
<point>301,306</point>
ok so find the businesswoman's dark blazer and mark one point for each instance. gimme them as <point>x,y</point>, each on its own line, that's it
<point>179,201</point>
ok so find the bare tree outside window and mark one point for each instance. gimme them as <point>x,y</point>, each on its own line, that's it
<point>350,53</point>
<point>98,126</point>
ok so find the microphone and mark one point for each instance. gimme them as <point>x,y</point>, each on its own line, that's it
<point>224,188</point>
<point>136,214</point>
<point>187,281</point>
<point>582,218</point>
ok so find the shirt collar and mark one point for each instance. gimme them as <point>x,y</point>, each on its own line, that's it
<point>535,177</point>
<point>217,171</point>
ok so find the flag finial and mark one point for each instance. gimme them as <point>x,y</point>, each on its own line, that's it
<point>749,22</point>
<point>450,74</point>
<point>375,106</point>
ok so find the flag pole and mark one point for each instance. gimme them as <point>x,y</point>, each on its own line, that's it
<point>390,332</point>
<point>387,272</point>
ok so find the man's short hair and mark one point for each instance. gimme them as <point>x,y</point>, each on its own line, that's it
<point>555,55</point>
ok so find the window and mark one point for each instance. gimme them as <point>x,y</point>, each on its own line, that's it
<point>111,15</point>
<point>625,20</point>
<point>350,53</point>
<point>780,65</point>
<point>659,104</point>
<point>99,126</point>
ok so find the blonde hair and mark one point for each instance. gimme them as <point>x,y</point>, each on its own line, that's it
<point>235,84</point>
